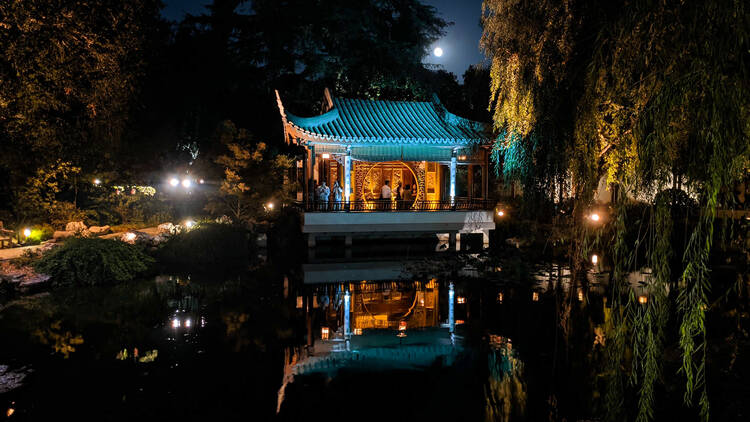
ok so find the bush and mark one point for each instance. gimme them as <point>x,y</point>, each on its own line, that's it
<point>208,247</point>
<point>93,261</point>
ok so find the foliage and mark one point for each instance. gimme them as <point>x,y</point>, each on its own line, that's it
<point>648,94</point>
<point>67,75</point>
<point>37,199</point>
<point>208,247</point>
<point>252,178</point>
<point>82,261</point>
<point>122,206</point>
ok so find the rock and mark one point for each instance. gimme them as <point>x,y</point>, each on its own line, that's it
<point>224,219</point>
<point>75,226</point>
<point>166,228</point>
<point>84,233</point>
<point>99,230</point>
<point>10,379</point>
<point>136,237</point>
<point>59,235</point>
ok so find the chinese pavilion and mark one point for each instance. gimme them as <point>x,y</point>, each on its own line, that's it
<point>361,144</point>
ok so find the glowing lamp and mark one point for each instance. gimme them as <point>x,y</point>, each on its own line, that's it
<point>324,332</point>
<point>594,217</point>
<point>500,213</point>
<point>201,181</point>
<point>580,295</point>
<point>299,302</point>
<point>460,322</point>
<point>186,183</point>
<point>460,300</point>
<point>189,223</point>
<point>97,182</point>
<point>357,331</point>
<point>26,232</point>
<point>129,237</point>
<point>642,299</point>
<point>176,323</point>
<point>500,297</point>
<point>269,205</point>
<point>188,323</point>
<point>326,156</point>
<point>402,325</point>
<point>594,259</point>
<point>535,296</point>
<point>174,182</point>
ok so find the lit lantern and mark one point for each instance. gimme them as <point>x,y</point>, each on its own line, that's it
<point>460,300</point>
<point>594,259</point>
<point>535,296</point>
<point>26,232</point>
<point>324,333</point>
<point>642,299</point>
<point>299,302</point>
<point>580,294</point>
<point>500,297</point>
<point>402,325</point>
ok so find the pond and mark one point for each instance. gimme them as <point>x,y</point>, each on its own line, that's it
<point>417,343</point>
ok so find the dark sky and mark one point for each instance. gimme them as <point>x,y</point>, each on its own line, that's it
<point>460,44</point>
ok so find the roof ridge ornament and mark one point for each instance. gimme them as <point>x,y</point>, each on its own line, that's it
<point>328,105</point>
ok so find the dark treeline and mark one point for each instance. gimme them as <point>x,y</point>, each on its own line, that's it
<point>111,89</point>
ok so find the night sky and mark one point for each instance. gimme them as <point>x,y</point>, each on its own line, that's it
<point>460,44</point>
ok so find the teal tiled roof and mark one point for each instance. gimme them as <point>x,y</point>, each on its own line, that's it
<point>352,121</point>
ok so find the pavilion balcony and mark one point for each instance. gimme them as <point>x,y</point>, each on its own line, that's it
<point>459,204</point>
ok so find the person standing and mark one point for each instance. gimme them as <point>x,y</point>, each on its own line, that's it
<point>337,191</point>
<point>385,194</point>
<point>323,193</point>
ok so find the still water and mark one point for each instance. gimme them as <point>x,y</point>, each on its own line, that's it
<point>359,338</point>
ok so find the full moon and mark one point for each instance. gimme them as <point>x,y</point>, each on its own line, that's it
<point>437,51</point>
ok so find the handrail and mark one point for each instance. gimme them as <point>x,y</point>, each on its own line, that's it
<point>385,205</point>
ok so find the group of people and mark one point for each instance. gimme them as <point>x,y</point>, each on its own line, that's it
<point>323,194</point>
<point>403,197</point>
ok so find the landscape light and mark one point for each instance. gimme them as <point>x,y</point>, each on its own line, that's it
<point>175,323</point>
<point>500,297</point>
<point>200,181</point>
<point>174,182</point>
<point>500,213</point>
<point>185,183</point>
<point>269,205</point>
<point>97,182</point>
<point>594,217</point>
<point>594,259</point>
<point>642,299</point>
<point>535,296</point>
<point>26,232</point>
<point>189,223</point>
<point>188,323</point>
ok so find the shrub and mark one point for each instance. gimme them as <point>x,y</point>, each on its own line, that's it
<point>93,261</point>
<point>208,246</point>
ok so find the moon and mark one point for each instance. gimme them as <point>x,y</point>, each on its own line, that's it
<point>437,51</point>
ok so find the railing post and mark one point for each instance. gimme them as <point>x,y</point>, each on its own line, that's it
<point>347,174</point>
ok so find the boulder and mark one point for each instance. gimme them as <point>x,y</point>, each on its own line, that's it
<point>136,237</point>
<point>166,228</point>
<point>99,230</point>
<point>75,226</point>
<point>59,235</point>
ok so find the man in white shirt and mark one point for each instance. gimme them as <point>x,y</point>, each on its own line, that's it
<point>385,191</point>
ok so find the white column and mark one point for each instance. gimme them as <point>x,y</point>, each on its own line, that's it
<point>347,174</point>
<point>347,300</point>
<point>451,321</point>
<point>453,177</point>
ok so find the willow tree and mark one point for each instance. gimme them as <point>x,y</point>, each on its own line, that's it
<point>650,94</point>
